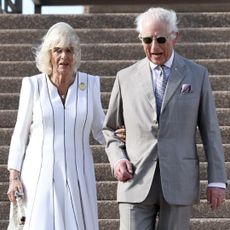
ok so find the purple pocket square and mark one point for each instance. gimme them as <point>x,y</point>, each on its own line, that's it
<point>186,88</point>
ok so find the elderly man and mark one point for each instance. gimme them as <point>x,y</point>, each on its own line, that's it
<point>161,100</point>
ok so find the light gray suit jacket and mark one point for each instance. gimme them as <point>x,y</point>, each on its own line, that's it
<point>172,141</point>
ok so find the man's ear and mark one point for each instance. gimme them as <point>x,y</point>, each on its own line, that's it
<point>175,37</point>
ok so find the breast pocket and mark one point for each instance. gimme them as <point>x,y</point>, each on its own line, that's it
<point>186,107</point>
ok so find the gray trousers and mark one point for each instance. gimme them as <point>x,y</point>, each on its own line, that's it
<point>154,212</point>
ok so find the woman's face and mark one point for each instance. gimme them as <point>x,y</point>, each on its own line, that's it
<point>62,60</point>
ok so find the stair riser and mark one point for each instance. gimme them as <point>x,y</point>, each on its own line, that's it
<point>103,172</point>
<point>13,84</point>
<point>10,102</point>
<point>104,68</point>
<point>121,52</point>
<point>100,156</point>
<point>192,20</point>
<point>5,136</point>
<point>206,224</point>
<point>8,118</point>
<point>105,191</point>
<point>198,211</point>
<point>102,36</point>
<point>110,43</point>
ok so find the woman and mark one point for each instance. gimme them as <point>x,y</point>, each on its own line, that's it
<point>50,160</point>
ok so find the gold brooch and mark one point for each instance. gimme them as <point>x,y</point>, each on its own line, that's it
<point>82,86</point>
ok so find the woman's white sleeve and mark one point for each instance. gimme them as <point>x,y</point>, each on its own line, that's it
<point>22,128</point>
<point>99,116</point>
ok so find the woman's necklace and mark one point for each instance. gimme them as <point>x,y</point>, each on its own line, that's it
<point>63,97</point>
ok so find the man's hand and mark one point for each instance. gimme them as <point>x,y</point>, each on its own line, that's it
<point>123,170</point>
<point>216,196</point>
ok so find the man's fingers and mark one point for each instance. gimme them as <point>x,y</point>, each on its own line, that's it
<point>129,167</point>
<point>124,171</point>
<point>120,133</point>
<point>215,197</point>
<point>214,203</point>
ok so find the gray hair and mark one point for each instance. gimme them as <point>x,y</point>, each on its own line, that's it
<point>158,14</point>
<point>60,34</point>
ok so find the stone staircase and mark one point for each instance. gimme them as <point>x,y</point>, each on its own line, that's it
<point>109,43</point>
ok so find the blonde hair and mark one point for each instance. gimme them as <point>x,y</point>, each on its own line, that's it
<point>160,15</point>
<point>60,34</point>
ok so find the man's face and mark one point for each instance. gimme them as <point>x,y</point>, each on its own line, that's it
<point>159,50</point>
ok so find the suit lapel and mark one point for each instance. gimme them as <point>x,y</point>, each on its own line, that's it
<point>146,81</point>
<point>175,78</point>
<point>144,76</point>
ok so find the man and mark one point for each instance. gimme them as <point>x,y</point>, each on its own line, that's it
<point>161,100</point>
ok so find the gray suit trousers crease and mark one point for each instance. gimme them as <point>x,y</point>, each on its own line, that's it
<point>154,212</point>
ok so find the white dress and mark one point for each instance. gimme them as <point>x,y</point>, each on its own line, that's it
<point>56,166</point>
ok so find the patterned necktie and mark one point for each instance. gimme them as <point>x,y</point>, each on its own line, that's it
<point>160,86</point>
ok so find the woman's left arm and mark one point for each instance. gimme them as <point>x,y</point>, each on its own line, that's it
<point>98,113</point>
<point>99,116</point>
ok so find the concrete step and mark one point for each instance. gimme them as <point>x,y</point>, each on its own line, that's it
<point>220,217</point>
<point>109,20</point>
<point>9,101</point>
<point>107,176</point>
<point>199,211</point>
<point>100,156</point>
<point>122,51</point>
<point>8,117</point>
<point>106,190</point>
<point>10,84</point>
<point>103,68</point>
<point>107,35</point>
<point>195,224</point>
<point>13,84</point>
<point>137,8</point>
<point>111,36</point>
<point>6,133</point>
<point>103,172</point>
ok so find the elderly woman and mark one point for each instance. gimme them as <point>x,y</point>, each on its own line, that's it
<point>50,158</point>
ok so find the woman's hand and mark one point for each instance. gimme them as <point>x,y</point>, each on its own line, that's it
<point>121,133</point>
<point>15,185</point>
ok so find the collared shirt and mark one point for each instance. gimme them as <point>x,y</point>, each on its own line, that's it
<point>154,69</point>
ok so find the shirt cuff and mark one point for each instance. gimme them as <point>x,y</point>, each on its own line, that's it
<point>217,185</point>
